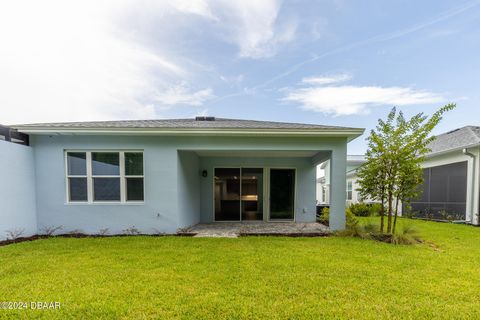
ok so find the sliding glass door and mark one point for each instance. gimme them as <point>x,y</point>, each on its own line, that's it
<point>252,194</point>
<point>238,194</point>
<point>227,194</point>
<point>282,194</point>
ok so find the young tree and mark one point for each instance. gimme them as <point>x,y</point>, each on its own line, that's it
<point>393,172</point>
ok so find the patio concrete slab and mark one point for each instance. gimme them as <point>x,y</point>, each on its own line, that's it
<point>235,229</point>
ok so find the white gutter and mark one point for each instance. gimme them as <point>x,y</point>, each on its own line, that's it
<point>472,192</point>
<point>350,133</point>
<point>434,154</point>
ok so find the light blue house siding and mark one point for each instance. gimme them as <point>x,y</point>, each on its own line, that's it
<point>189,188</point>
<point>17,190</point>
<point>176,194</point>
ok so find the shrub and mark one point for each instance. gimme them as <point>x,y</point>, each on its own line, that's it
<point>131,231</point>
<point>157,232</point>
<point>408,234</point>
<point>408,213</point>
<point>365,209</point>
<point>50,230</point>
<point>103,231</point>
<point>350,217</point>
<point>360,209</point>
<point>325,215</point>
<point>75,232</point>
<point>375,208</point>
<point>13,234</point>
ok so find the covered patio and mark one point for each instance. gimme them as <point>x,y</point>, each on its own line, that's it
<point>268,190</point>
<point>258,228</point>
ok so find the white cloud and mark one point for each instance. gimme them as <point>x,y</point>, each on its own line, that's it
<point>233,80</point>
<point>349,100</point>
<point>198,7</point>
<point>318,28</point>
<point>71,61</point>
<point>182,94</point>
<point>117,59</point>
<point>322,80</point>
<point>254,27</point>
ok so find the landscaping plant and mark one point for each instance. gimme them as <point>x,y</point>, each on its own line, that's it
<point>393,172</point>
<point>362,209</point>
<point>325,215</point>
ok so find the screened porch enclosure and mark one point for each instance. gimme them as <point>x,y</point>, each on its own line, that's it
<point>443,193</point>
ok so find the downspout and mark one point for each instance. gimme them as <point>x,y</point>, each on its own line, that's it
<point>472,191</point>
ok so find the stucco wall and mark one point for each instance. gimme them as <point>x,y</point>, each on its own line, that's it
<point>170,181</point>
<point>17,189</point>
<point>188,189</point>
<point>158,213</point>
<point>338,164</point>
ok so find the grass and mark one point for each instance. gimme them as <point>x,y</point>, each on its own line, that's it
<point>247,278</point>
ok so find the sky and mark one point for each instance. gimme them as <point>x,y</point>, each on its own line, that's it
<point>335,62</point>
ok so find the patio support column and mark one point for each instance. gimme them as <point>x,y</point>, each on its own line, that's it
<point>338,168</point>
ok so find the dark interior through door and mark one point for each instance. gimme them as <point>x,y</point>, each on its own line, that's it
<point>282,194</point>
<point>227,194</point>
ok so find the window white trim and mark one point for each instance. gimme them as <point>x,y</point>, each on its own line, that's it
<point>349,190</point>
<point>123,190</point>
<point>67,181</point>
<point>89,176</point>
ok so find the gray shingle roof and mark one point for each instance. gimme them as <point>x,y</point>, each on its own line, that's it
<point>218,123</point>
<point>456,139</point>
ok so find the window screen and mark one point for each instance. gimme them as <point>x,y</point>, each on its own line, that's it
<point>444,193</point>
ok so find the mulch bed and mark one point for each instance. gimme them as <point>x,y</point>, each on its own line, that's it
<point>83,235</point>
<point>21,239</point>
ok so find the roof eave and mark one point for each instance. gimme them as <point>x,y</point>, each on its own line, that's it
<point>439,153</point>
<point>350,133</point>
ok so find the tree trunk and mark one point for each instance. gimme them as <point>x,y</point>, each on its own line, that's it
<point>382,216</point>
<point>396,214</point>
<point>390,200</point>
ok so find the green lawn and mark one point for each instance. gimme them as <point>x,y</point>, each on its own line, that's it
<point>245,278</point>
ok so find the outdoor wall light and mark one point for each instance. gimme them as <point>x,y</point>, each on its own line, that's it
<point>204,173</point>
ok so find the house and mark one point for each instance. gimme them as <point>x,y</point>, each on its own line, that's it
<point>451,187</point>
<point>162,175</point>
<point>323,182</point>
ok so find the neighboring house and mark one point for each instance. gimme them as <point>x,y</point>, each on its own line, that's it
<point>452,177</point>
<point>353,163</point>
<point>161,175</point>
<point>323,182</point>
<point>451,188</point>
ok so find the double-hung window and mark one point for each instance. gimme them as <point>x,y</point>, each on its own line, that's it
<point>77,180</point>
<point>349,190</point>
<point>105,176</point>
